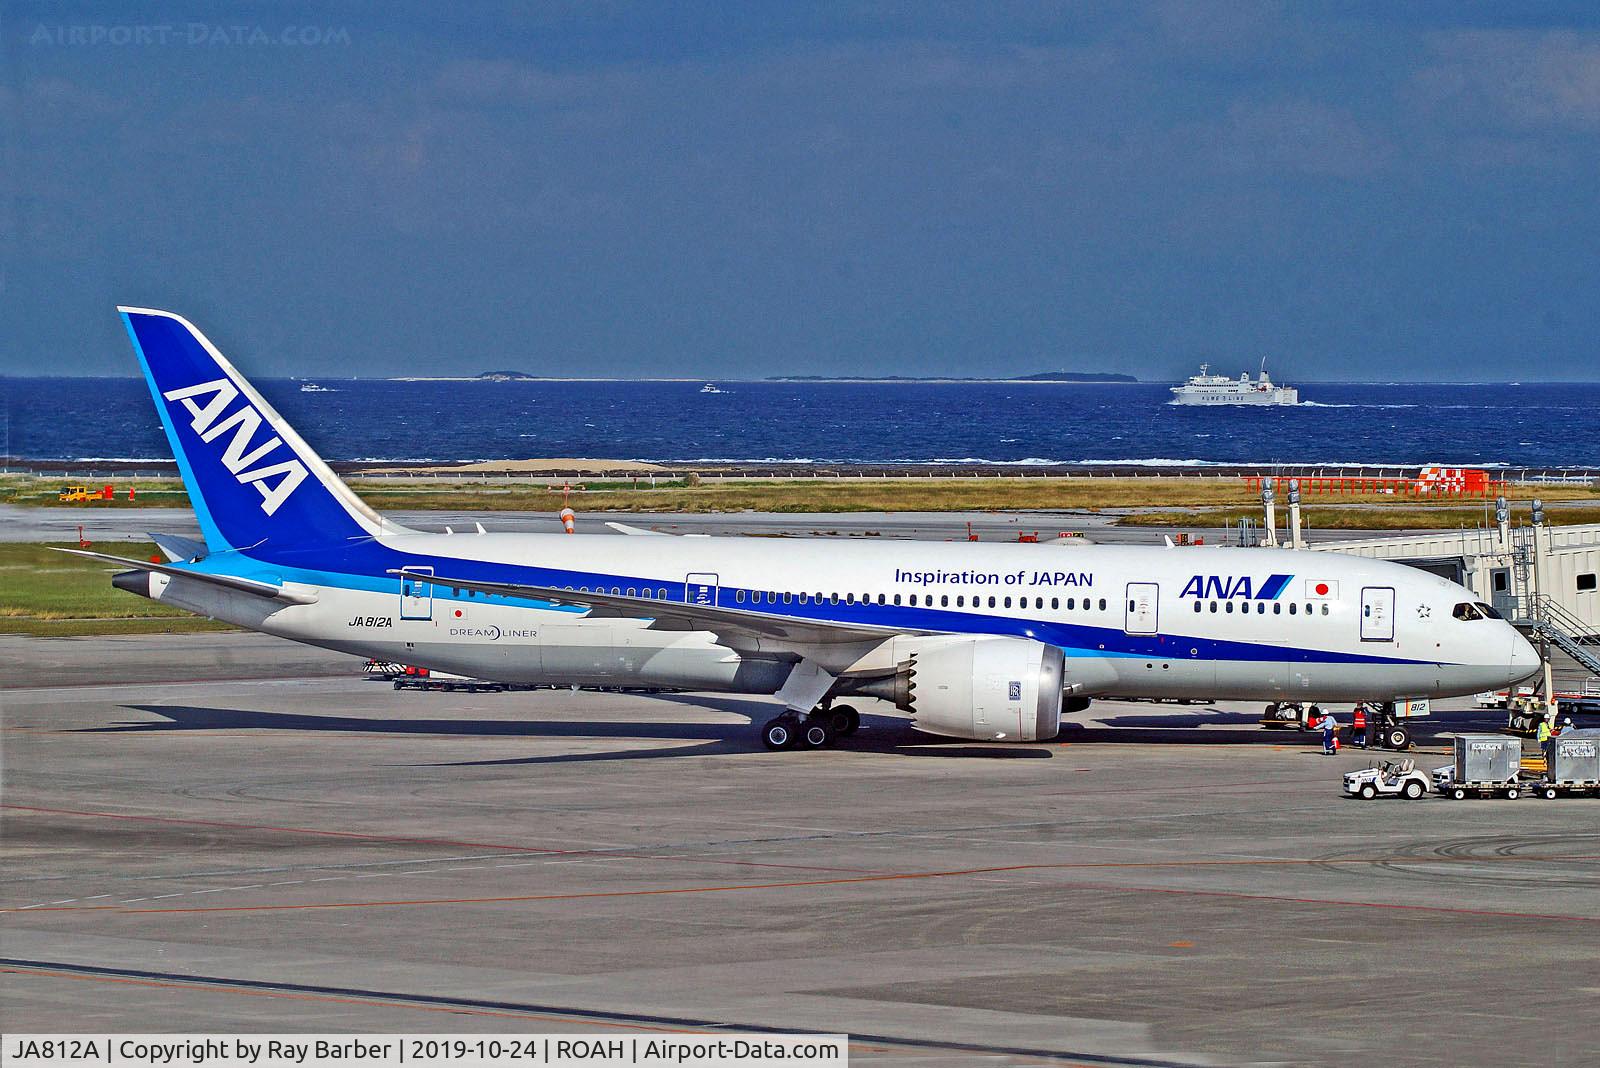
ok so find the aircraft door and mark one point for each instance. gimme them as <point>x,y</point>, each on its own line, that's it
<point>1143,612</point>
<point>1377,614</point>
<point>700,589</point>
<point>416,593</point>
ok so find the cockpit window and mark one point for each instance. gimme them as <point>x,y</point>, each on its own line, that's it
<point>1466,611</point>
<point>1488,610</point>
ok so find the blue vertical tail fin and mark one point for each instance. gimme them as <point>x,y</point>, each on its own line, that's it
<point>249,475</point>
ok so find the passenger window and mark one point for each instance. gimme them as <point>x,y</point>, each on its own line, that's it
<point>1102,604</point>
<point>1008,602</point>
<point>913,600</point>
<point>1227,606</point>
<point>849,598</point>
<point>1131,606</point>
<point>1324,609</point>
<point>1466,611</point>
<point>833,598</point>
<point>991,600</point>
<point>738,597</point>
<point>1277,609</point>
<point>1291,608</point>
<point>788,598</point>
<point>1197,606</point>
<point>1072,602</point>
<point>1213,607</point>
<point>661,595</point>
<point>1055,603</point>
<point>880,598</point>
<point>944,600</point>
<point>630,591</point>
<point>897,598</point>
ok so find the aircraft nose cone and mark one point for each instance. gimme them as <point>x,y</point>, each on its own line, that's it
<point>1524,658</point>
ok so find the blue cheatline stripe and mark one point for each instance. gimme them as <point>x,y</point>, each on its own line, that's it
<point>363,565</point>
<point>208,526</point>
<point>1273,588</point>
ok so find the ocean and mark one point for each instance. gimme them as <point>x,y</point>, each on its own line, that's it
<point>1517,425</point>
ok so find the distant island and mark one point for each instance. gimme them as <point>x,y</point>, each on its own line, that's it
<point>507,376</point>
<point>1041,376</point>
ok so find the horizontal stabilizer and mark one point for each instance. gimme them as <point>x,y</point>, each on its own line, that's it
<point>229,582</point>
<point>175,548</point>
<point>638,532</point>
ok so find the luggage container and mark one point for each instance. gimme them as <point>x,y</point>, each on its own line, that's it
<point>1573,766</point>
<point>1485,764</point>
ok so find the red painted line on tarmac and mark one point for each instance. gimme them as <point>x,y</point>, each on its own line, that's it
<point>409,840</point>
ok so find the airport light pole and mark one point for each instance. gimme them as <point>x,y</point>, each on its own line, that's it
<point>1538,613</point>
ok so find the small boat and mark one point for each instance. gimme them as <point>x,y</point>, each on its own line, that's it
<point>312,387</point>
<point>711,387</point>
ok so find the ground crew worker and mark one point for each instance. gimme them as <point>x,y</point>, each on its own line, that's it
<point>1329,727</point>
<point>1358,726</point>
<point>1544,734</point>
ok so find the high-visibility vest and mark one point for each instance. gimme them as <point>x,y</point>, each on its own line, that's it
<point>1544,731</point>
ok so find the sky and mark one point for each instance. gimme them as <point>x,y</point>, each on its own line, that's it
<point>1356,191</point>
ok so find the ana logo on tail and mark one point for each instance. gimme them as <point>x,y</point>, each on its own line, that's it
<point>274,481</point>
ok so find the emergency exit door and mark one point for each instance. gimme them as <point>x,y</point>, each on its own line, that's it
<point>1142,608</point>
<point>1377,614</point>
<point>416,593</point>
<point>700,589</point>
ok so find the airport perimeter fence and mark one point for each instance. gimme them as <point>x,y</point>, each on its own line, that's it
<point>67,472</point>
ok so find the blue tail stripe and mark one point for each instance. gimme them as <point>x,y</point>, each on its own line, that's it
<point>249,476</point>
<point>208,526</point>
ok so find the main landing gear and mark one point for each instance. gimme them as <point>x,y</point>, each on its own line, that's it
<point>817,729</point>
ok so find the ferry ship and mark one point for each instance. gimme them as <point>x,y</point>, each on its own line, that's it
<point>1207,388</point>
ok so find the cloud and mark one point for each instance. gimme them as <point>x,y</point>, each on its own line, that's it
<point>1516,79</point>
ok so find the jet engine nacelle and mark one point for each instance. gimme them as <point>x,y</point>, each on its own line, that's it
<point>986,689</point>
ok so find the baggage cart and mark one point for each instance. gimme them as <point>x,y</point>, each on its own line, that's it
<point>1486,765</point>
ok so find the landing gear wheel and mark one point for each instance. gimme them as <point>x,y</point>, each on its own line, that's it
<point>815,734</point>
<point>842,720</point>
<point>1397,738</point>
<point>1413,791</point>
<point>779,733</point>
<point>1368,792</point>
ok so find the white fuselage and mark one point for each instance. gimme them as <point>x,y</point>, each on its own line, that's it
<point>1132,621</point>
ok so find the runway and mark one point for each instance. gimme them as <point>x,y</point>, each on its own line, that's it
<point>223,832</point>
<point>19,523</point>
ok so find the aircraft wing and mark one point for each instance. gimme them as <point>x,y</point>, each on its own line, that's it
<point>238,585</point>
<point>736,627</point>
